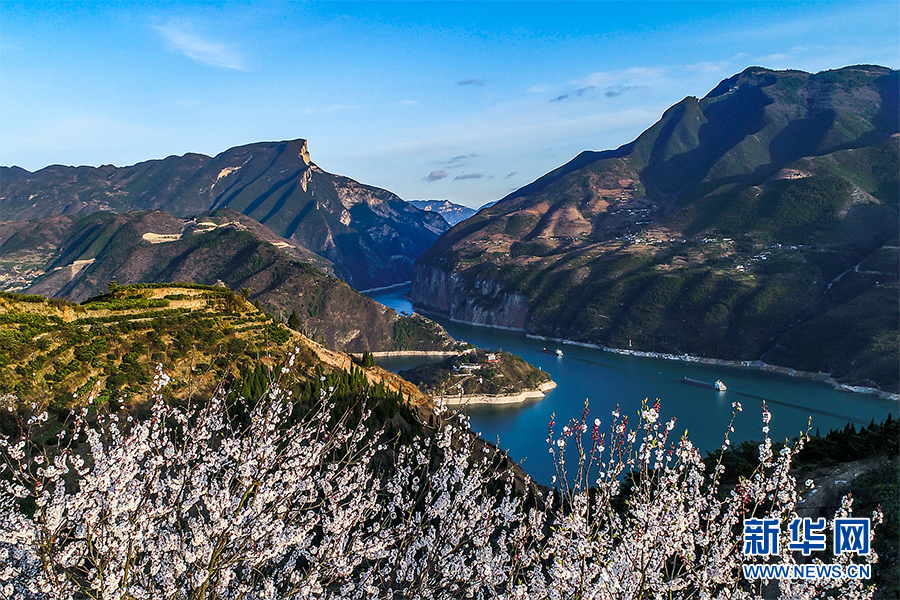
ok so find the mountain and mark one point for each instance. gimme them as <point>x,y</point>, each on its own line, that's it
<point>76,257</point>
<point>452,213</point>
<point>740,226</point>
<point>371,236</point>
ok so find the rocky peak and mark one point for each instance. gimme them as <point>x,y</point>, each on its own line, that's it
<point>302,150</point>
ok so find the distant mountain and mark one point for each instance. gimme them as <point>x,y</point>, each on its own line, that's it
<point>452,213</point>
<point>371,236</point>
<point>759,222</point>
<point>76,257</point>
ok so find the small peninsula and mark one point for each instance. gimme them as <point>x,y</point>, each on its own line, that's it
<point>481,377</point>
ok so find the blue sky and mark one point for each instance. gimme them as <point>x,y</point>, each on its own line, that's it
<point>457,100</point>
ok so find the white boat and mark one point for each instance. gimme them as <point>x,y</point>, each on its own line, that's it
<point>718,385</point>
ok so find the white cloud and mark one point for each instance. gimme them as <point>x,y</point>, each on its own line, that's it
<point>775,58</point>
<point>181,38</point>
<point>710,67</point>
<point>435,176</point>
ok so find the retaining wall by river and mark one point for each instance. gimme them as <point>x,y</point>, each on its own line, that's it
<point>498,399</point>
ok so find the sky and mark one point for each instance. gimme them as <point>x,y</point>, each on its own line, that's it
<point>431,100</point>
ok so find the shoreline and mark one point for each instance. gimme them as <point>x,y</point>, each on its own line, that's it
<point>498,399</point>
<point>427,312</point>
<point>385,288</point>
<point>753,364</point>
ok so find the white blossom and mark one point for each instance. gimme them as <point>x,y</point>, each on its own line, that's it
<point>186,504</point>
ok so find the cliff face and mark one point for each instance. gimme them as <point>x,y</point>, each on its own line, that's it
<point>737,226</point>
<point>483,303</point>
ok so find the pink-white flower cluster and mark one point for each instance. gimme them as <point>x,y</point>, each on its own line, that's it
<point>187,505</point>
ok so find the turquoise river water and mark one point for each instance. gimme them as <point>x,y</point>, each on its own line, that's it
<point>607,379</point>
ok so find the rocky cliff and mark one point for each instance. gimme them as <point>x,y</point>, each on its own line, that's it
<point>483,302</point>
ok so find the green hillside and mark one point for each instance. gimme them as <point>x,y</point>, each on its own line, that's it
<point>108,348</point>
<point>732,228</point>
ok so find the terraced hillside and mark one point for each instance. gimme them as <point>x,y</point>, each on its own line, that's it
<point>106,350</point>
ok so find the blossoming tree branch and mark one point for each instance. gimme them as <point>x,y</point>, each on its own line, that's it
<point>193,503</point>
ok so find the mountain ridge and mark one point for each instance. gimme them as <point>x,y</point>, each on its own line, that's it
<point>81,255</point>
<point>370,235</point>
<point>729,223</point>
<point>452,213</point>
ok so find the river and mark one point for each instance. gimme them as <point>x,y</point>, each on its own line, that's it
<point>606,379</point>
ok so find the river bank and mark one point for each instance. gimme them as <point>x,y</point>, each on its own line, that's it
<point>753,364</point>
<point>497,400</point>
<point>387,288</point>
<point>395,353</point>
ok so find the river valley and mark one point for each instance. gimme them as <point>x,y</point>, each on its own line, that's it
<point>607,379</point>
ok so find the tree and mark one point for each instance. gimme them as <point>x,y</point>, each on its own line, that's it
<point>294,321</point>
<point>186,504</point>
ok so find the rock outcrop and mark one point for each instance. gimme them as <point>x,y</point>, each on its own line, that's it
<point>484,302</point>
